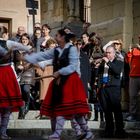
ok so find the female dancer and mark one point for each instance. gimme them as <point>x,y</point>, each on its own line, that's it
<point>10,96</point>
<point>66,97</point>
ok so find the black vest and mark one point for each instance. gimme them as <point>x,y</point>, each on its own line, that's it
<point>62,61</point>
<point>2,60</point>
<point>3,44</point>
<point>58,63</point>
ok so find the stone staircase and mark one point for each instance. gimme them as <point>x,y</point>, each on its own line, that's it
<point>32,126</point>
<point>31,122</point>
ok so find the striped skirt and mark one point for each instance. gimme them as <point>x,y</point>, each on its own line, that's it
<point>10,95</point>
<point>67,100</point>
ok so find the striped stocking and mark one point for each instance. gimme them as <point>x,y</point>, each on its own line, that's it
<point>83,124</point>
<point>59,128</point>
<point>76,127</point>
<point>5,114</point>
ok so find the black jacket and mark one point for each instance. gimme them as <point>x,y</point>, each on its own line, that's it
<point>85,70</point>
<point>114,72</point>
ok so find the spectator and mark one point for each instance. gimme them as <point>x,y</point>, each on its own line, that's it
<point>87,47</point>
<point>20,32</point>
<point>95,57</point>
<point>46,35</point>
<point>26,80</point>
<point>132,58</point>
<point>85,68</point>
<point>47,69</point>
<point>37,39</point>
<point>109,92</point>
<point>37,25</point>
<point>120,55</point>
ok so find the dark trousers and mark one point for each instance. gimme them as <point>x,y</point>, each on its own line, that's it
<point>110,98</point>
<point>25,89</point>
<point>134,88</point>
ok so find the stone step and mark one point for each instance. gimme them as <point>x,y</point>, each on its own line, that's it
<point>45,124</point>
<point>31,115</point>
<point>31,122</point>
<point>132,125</point>
<point>67,134</point>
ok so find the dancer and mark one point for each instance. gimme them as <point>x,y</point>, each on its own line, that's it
<point>10,96</point>
<point>66,97</point>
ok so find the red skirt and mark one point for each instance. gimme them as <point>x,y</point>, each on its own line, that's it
<point>10,95</point>
<point>73,99</point>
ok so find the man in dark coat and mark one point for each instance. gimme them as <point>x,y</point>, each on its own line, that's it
<point>109,92</point>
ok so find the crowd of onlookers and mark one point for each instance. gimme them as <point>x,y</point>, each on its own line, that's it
<point>91,51</point>
<point>106,72</point>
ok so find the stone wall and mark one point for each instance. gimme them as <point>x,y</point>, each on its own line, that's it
<point>61,13</point>
<point>52,13</point>
<point>111,18</point>
<point>136,19</point>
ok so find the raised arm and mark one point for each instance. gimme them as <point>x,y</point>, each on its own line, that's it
<point>116,67</point>
<point>12,45</point>
<point>34,58</point>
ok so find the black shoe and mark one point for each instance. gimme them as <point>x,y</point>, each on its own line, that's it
<point>131,118</point>
<point>5,137</point>
<point>21,115</point>
<point>121,134</point>
<point>108,134</point>
<point>26,108</point>
<point>80,137</point>
<point>95,119</point>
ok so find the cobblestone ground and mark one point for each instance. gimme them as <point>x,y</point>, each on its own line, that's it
<point>69,135</point>
<point>39,138</point>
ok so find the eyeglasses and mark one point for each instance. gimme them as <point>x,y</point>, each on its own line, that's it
<point>117,43</point>
<point>108,52</point>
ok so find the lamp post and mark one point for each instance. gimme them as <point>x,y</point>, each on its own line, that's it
<point>32,5</point>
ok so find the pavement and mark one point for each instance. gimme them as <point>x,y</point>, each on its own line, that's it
<point>68,134</point>
<point>33,129</point>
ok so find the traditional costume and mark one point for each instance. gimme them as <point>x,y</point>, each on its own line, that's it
<point>66,97</point>
<point>10,95</point>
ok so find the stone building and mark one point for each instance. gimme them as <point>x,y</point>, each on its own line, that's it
<point>13,13</point>
<point>112,19</point>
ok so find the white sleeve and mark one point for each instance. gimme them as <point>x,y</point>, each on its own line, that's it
<point>16,46</point>
<point>43,64</point>
<point>108,44</point>
<point>34,58</point>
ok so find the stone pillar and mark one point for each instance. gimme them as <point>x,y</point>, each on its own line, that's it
<point>71,10</point>
<point>77,11</point>
<point>73,20</point>
<point>127,39</point>
<point>128,24</point>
